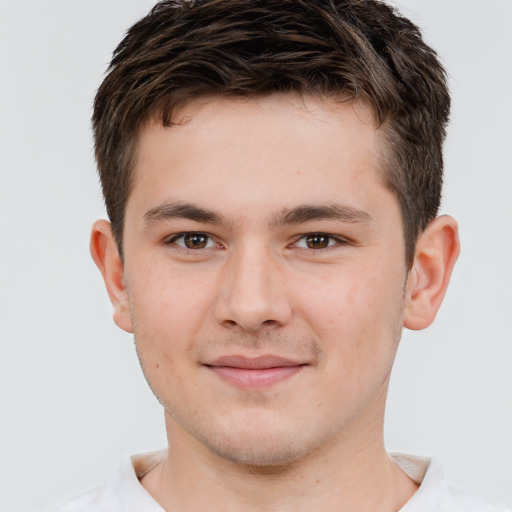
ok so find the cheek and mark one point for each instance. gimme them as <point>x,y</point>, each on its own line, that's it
<point>160,327</point>
<point>161,318</point>
<point>166,299</point>
<point>357,314</point>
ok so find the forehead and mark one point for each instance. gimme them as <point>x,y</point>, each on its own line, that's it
<point>280,148</point>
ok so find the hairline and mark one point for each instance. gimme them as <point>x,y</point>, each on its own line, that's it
<point>387,158</point>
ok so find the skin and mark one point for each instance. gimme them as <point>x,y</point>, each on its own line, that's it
<point>271,272</point>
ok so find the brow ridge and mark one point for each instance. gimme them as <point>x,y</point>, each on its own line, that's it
<point>300,214</point>
<point>181,210</point>
<point>305,213</point>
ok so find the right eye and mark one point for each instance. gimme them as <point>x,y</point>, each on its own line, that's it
<point>193,240</point>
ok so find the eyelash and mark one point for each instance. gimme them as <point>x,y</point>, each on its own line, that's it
<point>174,239</point>
<point>209,240</point>
<point>331,238</point>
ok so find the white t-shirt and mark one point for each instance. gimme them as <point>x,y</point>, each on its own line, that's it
<point>126,494</point>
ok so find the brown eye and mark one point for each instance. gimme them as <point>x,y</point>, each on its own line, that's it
<point>195,240</point>
<point>317,241</point>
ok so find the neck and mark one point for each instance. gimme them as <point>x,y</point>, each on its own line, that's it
<point>353,472</point>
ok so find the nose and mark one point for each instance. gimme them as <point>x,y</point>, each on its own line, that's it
<point>253,294</point>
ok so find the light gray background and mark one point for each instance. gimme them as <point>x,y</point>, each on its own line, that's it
<point>73,400</point>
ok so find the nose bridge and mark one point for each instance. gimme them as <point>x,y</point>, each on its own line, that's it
<point>253,290</point>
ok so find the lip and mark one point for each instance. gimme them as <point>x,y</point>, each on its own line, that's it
<point>258,372</point>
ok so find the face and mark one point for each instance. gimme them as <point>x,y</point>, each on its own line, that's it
<point>265,273</point>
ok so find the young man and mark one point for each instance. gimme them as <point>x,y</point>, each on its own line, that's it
<point>272,172</point>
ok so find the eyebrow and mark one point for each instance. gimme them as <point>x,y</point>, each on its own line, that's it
<point>339,212</point>
<point>297,215</point>
<point>180,210</point>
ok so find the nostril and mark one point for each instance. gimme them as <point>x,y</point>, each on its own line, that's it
<point>251,327</point>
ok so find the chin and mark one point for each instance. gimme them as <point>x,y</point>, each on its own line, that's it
<point>260,454</point>
<point>258,445</point>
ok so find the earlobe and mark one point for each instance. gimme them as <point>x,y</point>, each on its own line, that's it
<point>105,254</point>
<point>437,250</point>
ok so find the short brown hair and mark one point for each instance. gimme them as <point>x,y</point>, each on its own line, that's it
<point>186,49</point>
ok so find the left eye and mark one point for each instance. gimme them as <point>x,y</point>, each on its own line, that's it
<point>317,241</point>
<point>193,241</point>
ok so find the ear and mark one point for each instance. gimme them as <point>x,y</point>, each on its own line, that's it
<point>105,254</point>
<point>437,250</point>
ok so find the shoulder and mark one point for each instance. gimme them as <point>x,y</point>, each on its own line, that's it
<point>455,500</point>
<point>433,492</point>
<point>123,494</point>
<point>104,497</point>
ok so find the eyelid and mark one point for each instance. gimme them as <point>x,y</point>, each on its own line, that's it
<point>339,240</point>
<point>172,239</point>
<point>212,242</point>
